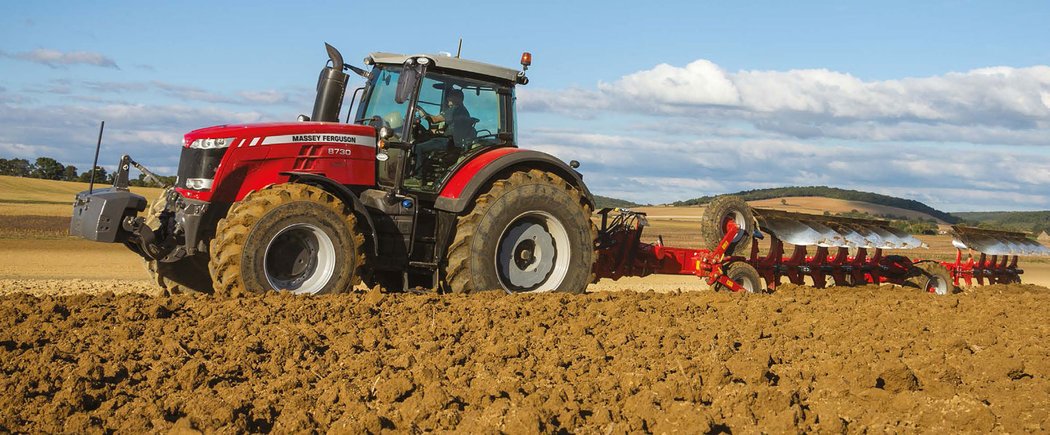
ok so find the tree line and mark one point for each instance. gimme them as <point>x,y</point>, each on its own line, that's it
<point>47,168</point>
<point>831,192</point>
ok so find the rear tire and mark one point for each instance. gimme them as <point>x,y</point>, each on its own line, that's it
<point>933,278</point>
<point>290,237</point>
<point>530,232</point>
<point>187,275</point>
<point>713,224</point>
<point>745,275</point>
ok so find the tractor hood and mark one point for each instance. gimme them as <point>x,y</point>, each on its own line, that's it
<point>239,135</point>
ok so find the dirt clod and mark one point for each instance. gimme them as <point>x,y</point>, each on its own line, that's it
<point>874,359</point>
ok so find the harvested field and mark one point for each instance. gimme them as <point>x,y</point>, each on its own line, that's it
<point>33,227</point>
<point>858,359</point>
<point>83,348</point>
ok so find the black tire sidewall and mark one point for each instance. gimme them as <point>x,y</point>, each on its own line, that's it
<point>712,232</point>
<point>738,270</point>
<point>253,273</point>
<point>534,198</point>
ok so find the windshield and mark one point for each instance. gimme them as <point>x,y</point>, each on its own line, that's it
<point>380,108</point>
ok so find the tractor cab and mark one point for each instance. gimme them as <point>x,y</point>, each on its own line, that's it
<point>433,113</point>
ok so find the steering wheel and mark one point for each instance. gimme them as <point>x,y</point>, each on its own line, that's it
<point>418,130</point>
<point>421,115</point>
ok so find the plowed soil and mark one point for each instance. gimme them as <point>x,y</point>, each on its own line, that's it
<point>836,360</point>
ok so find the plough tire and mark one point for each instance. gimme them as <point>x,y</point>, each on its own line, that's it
<point>745,275</point>
<point>530,232</point>
<point>312,235</point>
<point>933,278</point>
<point>712,224</point>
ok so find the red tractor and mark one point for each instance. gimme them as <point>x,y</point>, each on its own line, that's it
<point>425,187</point>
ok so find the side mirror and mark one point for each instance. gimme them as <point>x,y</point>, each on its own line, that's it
<point>407,82</point>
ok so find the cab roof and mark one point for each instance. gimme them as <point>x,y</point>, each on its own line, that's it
<point>450,63</point>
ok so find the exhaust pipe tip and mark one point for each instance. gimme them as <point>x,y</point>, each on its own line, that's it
<point>331,86</point>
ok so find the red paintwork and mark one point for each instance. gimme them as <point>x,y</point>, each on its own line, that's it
<point>620,253</point>
<point>245,168</point>
<point>455,186</point>
<point>996,270</point>
<point>624,255</point>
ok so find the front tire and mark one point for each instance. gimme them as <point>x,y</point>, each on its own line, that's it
<point>290,237</point>
<point>531,232</point>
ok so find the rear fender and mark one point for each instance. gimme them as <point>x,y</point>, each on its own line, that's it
<point>340,191</point>
<point>473,177</point>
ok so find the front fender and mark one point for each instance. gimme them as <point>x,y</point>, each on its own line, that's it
<point>479,172</point>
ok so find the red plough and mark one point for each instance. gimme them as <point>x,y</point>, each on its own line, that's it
<point>845,251</point>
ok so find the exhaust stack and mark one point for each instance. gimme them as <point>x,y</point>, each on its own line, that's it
<point>331,86</point>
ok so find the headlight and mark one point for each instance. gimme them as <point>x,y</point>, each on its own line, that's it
<point>199,183</point>
<point>207,144</point>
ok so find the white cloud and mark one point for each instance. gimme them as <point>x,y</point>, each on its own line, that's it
<point>1000,105</point>
<point>647,171</point>
<point>150,133</point>
<point>699,83</point>
<point>60,59</point>
<point>263,97</point>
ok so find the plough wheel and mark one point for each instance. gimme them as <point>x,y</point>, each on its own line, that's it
<point>745,275</point>
<point>933,278</point>
<point>717,215</point>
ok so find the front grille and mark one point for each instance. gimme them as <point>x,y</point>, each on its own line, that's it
<point>198,163</point>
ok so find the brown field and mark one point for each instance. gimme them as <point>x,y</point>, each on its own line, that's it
<point>85,349</point>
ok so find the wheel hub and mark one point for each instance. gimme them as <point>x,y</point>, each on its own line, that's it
<point>937,286</point>
<point>532,253</point>
<point>526,254</point>
<point>299,258</point>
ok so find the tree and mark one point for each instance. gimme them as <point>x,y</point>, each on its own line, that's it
<point>100,175</point>
<point>15,167</point>
<point>783,201</point>
<point>48,169</point>
<point>69,173</point>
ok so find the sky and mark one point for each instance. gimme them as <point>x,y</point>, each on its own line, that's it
<point>944,102</point>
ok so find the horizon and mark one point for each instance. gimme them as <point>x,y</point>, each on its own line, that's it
<point>949,106</point>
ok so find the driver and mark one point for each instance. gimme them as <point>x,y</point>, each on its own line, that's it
<point>455,116</point>
<point>458,126</point>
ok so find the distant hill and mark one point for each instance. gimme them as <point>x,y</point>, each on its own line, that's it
<point>1028,221</point>
<point>834,193</point>
<point>601,202</point>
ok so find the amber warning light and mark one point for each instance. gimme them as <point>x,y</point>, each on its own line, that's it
<point>526,59</point>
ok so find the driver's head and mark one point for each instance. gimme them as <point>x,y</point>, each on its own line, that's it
<point>455,97</point>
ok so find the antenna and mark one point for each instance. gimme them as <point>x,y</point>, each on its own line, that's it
<point>91,184</point>
<point>460,49</point>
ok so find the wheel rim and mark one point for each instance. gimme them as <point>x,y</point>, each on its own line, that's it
<point>533,253</point>
<point>746,282</point>
<point>300,258</point>
<point>740,221</point>
<point>937,285</point>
